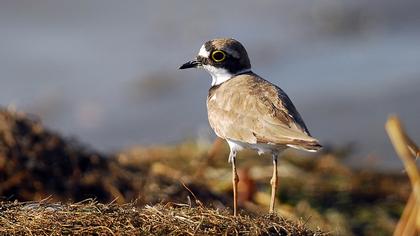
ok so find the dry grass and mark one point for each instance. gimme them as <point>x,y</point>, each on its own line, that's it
<point>36,163</point>
<point>407,150</point>
<point>90,217</point>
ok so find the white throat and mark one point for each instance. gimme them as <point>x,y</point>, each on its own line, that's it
<point>220,75</point>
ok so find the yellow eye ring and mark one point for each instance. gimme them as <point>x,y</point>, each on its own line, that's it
<point>218,56</point>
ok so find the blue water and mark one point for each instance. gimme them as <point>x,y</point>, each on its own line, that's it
<point>106,71</point>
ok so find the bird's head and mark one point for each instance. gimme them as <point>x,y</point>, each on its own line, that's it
<point>222,58</point>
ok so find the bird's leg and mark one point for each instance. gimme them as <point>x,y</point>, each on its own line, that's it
<point>273,182</point>
<point>235,180</point>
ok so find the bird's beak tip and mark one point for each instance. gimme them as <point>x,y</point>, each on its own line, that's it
<point>181,67</point>
<point>189,64</point>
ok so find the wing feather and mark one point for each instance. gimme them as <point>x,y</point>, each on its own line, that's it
<point>250,109</point>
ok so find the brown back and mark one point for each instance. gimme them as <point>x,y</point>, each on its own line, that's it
<point>250,109</point>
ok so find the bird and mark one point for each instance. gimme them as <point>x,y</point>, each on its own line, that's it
<point>248,111</point>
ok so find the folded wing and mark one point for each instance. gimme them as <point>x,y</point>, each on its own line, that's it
<point>250,109</point>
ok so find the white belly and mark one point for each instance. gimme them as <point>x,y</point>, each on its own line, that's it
<point>259,147</point>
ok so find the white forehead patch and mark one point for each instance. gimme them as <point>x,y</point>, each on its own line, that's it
<point>203,52</point>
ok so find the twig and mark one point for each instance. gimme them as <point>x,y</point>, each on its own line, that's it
<point>398,139</point>
<point>408,210</point>
<point>409,223</point>
<point>195,197</point>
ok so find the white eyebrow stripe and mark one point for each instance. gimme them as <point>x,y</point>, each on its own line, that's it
<point>203,52</point>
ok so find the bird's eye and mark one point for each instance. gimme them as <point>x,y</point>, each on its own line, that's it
<point>218,56</point>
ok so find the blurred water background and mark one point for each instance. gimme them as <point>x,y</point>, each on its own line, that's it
<point>106,71</point>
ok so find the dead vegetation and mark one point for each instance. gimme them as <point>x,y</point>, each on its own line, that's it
<point>90,217</point>
<point>36,163</point>
<point>407,150</point>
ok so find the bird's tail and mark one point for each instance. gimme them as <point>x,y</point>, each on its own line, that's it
<point>309,146</point>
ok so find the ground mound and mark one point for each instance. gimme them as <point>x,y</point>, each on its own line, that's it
<point>36,164</point>
<point>90,217</point>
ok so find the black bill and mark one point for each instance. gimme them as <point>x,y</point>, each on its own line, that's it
<point>190,64</point>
